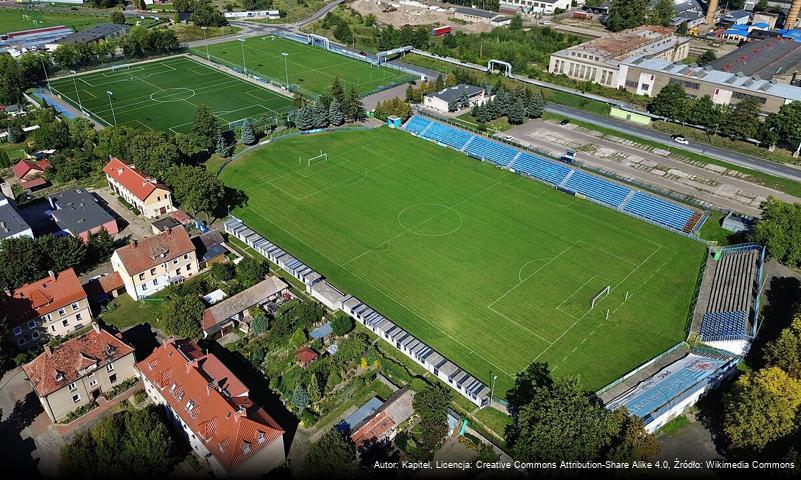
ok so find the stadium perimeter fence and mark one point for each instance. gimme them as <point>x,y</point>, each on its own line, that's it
<point>677,197</point>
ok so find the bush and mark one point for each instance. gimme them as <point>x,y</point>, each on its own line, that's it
<point>307,418</point>
<point>223,271</point>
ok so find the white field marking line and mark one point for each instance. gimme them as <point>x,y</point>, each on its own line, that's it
<point>520,272</point>
<point>84,81</point>
<point>339,183</point>
<point>576,290</point>
<point>610,291</point>
<point>74,105</point>
<point>390,297</point>
<point>533,273</point>
<point>407,230</point>
<point>521,326</point>
<point>594,219</point>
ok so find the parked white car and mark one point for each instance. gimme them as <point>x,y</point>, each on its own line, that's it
<point>681,140</point>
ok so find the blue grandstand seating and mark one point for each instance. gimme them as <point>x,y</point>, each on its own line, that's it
<point>452,137</point>
<point>550,172</point>
<point>497,153</point>
<point>649,207</point>
<point>597,188</point>
<point>724,326</point>
<point>658,210</point>
<point>417,124</point>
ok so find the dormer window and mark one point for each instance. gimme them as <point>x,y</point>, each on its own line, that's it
<point>246,447</point>
<point>172,389</point>
<point>262,437</point>
<point>59,376</point>
<point>190,405</point>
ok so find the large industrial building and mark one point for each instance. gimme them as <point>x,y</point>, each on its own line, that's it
<point>599,61</point>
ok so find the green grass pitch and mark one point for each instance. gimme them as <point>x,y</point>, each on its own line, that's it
<point>312,68</point>
<point>491,269</point>
<point>163,95</point>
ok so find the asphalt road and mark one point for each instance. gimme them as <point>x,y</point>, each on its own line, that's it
<point>735,158</point>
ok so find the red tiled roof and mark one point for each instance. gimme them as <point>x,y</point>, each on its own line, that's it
<point>44,296</point>
<point>24,166</point>
<point>111,282</point>
<point>372,430</point>
<point>211,401</point>
<point>53,370</point>
<point>130,178</point>
<point>305,355</point>
<point>142,255</point>
<point>181,216</point>
<point>36,182</point>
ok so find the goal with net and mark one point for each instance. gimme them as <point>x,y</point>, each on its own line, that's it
<point>597,298</point>
<point>317,159</point>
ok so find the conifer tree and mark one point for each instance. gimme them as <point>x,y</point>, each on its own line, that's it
<point>335,113</point>
<point>247,135</point>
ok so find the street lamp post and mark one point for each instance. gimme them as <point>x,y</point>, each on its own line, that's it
<point>492,388</point>
<point>286,69</point>
<point>44,69</point>
<point>244,65</point>
<point>206,41</point>
<point>113,115</point>
<point>77,94</point>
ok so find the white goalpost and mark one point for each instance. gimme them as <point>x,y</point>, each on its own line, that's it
<point>316,159</point>
<point>597,298</point>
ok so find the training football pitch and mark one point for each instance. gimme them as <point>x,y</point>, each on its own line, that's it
<point>163,95</point>
<point>309,67</point>
<point>490,268</point>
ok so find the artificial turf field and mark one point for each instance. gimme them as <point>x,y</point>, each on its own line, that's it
<point>312,68</point>
<point>491,269</point>
<point>163,95</point>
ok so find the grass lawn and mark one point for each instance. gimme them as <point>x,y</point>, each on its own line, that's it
<point>126,312</point>
<point>311,68</point>
<point>188,32</point>
<point>497,125</point>
<point>16,19</point>
<point>493,419</point>
<point>491,269</point>
<point>15,151</point>
<point>164,95</point>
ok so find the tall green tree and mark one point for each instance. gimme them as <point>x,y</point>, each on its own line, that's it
<point>707,57</point>
<point>670,102</point>
<point>251,271</point>
<point>333,456</point>
<point>62,252</point>
<point>337,91</point>
<point>100,247</point>
<point>761,407</point>
<point>154,153</point>
<point>246,133</point>
<point>662,13</point>
<point>128,444</point>
<point>787,125</point>
<point>12,83</point>
<point>704,112</point>
<point>517,114</point>
<point>300,397</point>
<point>205,127</point>
<point>335,113</point>
<point>197,189</point>
<point>742,120</point>
<point>21,261</point>
<point>625,14</point>
<point>785,350</point>
<point>181,316</point>
<point>535,105</point>
<point>432,406</point>
<point>779,230</point>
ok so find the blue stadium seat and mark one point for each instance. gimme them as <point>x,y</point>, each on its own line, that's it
<point>416,124</point>
<point>546,171</point>
<point>497,153</point>
<point>724,326</point>
<point>661,211</point>
<point>453,137</point>
<point>597,188</point>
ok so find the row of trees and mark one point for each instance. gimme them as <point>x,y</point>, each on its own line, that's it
<point>201,12</point>
<point>334,109</point>
<point>138,42</point>
<point>779,230</point>
<point>625,14</point>
<point>554,420</point>
<point>518,106</point>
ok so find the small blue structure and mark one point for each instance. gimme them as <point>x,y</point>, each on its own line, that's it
<point>321,332</point>
<point>394,122</point>
<point>355,418</point>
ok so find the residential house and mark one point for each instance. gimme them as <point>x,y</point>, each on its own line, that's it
<point>210,249</point>
<point>213,410</point>
<point>55,305</point>
<point>150,265</point>
<point>223,317</point>
<point>30,173</point>
<point>101,289</point>
<point>150,197</point>
<point>79,370</point>
<point>382,425</point>
<point>441,101</point>
<point>78,213</point>
<point>546,7</point>
<point>12,224</point>
<point>305,356</point>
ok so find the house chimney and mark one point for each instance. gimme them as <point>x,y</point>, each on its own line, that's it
<point>48,350</point>
<point>95,327</point>
<point>52,274</point>
<point>8,292</point>
<point>134,243</point>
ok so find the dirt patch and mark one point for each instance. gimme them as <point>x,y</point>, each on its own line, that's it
<point>414,13</point>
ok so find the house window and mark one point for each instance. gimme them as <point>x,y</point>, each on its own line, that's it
<point>92,382</point>
<point>245,447</point>
<point>186,257</point>
<point>112,378</point>
<point>175,261</point>
<point>72,387</point>
<point>17,331</point>
<point>47,317</point>
<point>144,286</point>
<point>52,328</point>
<point>65,322</point>
<point>34,335</point>
<point>188,266</point>
<point>31,324</point>
<point>261,437</point>
<point>62,312</point>
<point>79,317</point>
<point>152,271</point>
<point>74,307</point>
<point>21,341</point>
<point>110,367</point>
<point>155,282</point>
<point>178,271</point>
<point>76,398</point>
<point>141,276</point>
